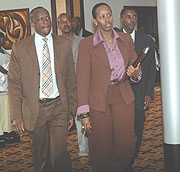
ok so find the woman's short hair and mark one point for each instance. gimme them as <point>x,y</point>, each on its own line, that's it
<point>97,6</point>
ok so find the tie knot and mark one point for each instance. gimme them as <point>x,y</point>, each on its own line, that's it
<point>45,39</point>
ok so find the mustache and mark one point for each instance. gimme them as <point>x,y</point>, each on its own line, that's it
<point>132,23</point>
<point>46,26</point>
<point>66,27</point>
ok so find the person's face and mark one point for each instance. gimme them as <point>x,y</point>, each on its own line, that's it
<point>75,24</point>
<point>104,19</point>
<point>64,24</point>
<point>129,20</point>
<point>41,22</point>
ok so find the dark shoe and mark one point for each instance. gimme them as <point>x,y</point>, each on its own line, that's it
<point>129,169</point>
<point>11,137</point>
<point>2,142</point>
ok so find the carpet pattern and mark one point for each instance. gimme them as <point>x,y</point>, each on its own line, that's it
<point>151,156</point>
<point>17,157</point>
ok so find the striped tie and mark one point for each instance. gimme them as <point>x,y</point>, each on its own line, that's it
<point>47,80</point>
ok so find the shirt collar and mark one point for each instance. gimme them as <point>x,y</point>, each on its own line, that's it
<point>39,37</point>
<point>81,32</point>
<point>132,34</point>
<point>98,38</point>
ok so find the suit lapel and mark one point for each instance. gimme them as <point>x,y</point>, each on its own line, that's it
<point>58,64</point>
<point>123,52</point>
<point>55,46</point>
<point>136,40</point>
<point>100,52</point>
<point>58,61</point>
<point>31,49</point>
<point>139,45</point>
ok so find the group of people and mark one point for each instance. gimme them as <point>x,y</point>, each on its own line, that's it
<point>55,78</point>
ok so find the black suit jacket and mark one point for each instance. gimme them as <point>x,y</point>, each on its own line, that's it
<point>148,66</point>
<point>146,86</point>
<point>86,33</point>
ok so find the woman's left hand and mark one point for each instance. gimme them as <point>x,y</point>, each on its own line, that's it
<point>133,72</point>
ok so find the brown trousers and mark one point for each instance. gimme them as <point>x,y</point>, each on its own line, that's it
<point>49,149</point>
<point>112,138</point>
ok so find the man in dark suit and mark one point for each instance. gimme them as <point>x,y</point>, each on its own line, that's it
<point>42,92</point>
<point>78,28</point>
<point>144,90</point>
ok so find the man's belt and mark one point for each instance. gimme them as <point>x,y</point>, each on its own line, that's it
<point>46,100</point>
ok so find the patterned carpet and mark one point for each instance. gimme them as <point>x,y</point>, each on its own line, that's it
<point>17,157</point>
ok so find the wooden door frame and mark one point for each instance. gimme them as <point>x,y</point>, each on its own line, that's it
<point>54,16</point>
<point>82,13</point>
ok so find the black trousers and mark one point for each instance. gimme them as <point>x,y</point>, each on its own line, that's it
<point>139,127</point>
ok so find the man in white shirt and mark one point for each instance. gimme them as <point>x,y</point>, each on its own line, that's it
<point>42,92</point>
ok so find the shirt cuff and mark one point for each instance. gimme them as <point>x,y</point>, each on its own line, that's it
<point>137,78</point>
<point>82,109</point>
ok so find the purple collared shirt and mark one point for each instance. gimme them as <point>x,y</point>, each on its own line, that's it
<point>116,62</point>
<point>115,57</point>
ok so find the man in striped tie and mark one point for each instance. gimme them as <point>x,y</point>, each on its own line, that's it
<point>42,92</point>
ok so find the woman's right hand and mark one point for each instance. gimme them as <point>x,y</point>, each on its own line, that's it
<point>86,125</point>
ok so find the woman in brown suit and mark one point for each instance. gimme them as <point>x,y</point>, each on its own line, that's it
<point>105,98</point>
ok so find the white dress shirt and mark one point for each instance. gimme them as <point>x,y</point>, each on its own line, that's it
<point>39,43</point>
<point>132,34</point>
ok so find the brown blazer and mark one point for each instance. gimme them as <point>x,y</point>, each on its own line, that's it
<point>93,72</point>
<point>24,79</point>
